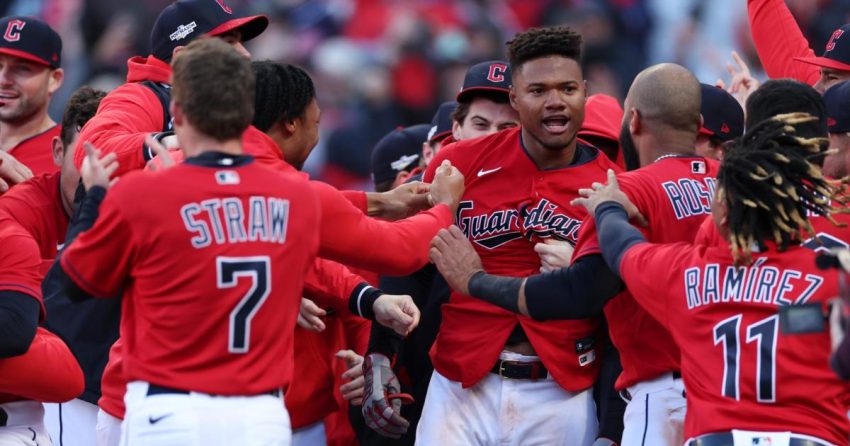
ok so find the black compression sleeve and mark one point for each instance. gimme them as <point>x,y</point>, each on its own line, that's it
<point>577,292</point>
<point>18,321</point>
<point>616,234</point>
<point>384,340</point>
<point>497,290</point>
<point>610,406</point>
<point>84,217</point>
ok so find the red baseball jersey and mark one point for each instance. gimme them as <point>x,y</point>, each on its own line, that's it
<point>741,369</point>
<point>509,205</point>
<point>32,226</point>
<point>218,241</point>
<point>674,194</point>
<point>36,152</point>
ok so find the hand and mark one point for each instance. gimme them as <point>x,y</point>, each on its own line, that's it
<point>161,152</point>
<point>609,192</point>
<point>743,84</point>
<point>447,187</point>
<point>401,202</point>
<point>554,254</point>
<point>310,316</point>
<point>12,171</point>
<point>398,312</point>
<point>455,258</point>
<point>97,170</point>
<point>382,399</point>
<point>352,391</point>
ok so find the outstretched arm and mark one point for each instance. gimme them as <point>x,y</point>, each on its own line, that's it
<point>778,40</point>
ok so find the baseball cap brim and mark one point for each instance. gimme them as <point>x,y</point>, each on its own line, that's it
<point>824,62</point>
<point>25,55</point>
<point>440,136</point>
<point>705,131</point>
<point>466,95</point>
<point>250,27</point>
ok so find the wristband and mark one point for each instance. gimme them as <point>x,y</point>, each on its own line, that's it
<point>147,152</point>
<point>362,299</point>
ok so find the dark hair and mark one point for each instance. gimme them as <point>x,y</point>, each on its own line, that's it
<point>214,86</point>
<point>782,96</point>
<point>770,187</point>
<point>283,93</point>
<point>541,42</point>
<point>81,107</point>
<point>462,110</point>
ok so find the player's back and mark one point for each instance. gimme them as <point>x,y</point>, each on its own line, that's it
<point>220,246</point>
<point>743,367</point>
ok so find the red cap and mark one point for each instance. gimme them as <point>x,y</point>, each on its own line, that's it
<point>603,117</point>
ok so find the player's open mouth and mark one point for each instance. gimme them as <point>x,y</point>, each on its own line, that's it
<point>556,124</point>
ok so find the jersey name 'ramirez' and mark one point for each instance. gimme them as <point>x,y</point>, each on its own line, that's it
<point>713,283</point>
<point>223,220</point>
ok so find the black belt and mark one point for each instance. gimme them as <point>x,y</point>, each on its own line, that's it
<point>726,439</point>
<point>154,389</point>
<point>520,370</point>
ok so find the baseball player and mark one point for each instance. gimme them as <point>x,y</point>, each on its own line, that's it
<point>440,132</point>
<point>749,314</point>
<point>33,217</point>
<point>482,108</point>
<point>673,189</point>
<point>30,55</point>
<point>213,105</point>
<point>784,50</point>
<point>836,100</point>
<point>603,118</point>
<point>722,121</point>
<point>395,158</point>
<point>500,377</point>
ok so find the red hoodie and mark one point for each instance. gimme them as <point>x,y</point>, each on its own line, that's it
<point>127,115</point>
<point>603,117</point>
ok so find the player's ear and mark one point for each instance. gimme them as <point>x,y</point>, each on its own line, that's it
<point>456,131</point>
<point>635,122</point>
<point>427,152</point>
<point>58,150</point>
<point>290,126</point>
<point>176,113</point>
<point>512,98</point>
<point>55,80</point>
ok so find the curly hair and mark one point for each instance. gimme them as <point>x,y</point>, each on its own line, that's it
<point>541,42</point>
<point>283,93</point>
<point>771,188</point>
<point>81,107</point>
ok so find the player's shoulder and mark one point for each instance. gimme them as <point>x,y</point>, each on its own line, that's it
<point>471,149</point>
<point>35,187</point>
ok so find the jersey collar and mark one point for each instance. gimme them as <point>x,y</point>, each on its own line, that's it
<point>219,159</point>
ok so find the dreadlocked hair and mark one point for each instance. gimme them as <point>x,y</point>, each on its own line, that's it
<point>542,42</point>
<point>283,93</point>
<point>770,187</point>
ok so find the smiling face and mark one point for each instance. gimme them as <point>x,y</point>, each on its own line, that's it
<point>830,77</point>
<point>25,88</point>
<point>549,95</point>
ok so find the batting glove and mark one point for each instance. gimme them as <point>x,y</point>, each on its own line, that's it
<point>382,399</point>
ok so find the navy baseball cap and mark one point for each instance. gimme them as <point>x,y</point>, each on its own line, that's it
<point>185,20</point>
<point>837,52</point>
<point>31,39</point>
<point>837,101</point>
<point>490,76</point>
<point>441,125</point>
<point>722,115</point>
<point>399,150</point>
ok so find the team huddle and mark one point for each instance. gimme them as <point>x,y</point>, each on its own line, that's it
<point>536,266</point>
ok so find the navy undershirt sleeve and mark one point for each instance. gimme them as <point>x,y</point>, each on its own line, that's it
<point>84,218</point>
<point>18,321</point>
<point>616,234</point>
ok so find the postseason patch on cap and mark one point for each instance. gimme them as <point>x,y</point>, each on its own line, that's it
<point>183,31</point>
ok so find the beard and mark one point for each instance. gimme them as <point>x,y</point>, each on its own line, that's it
<point>24,110</point>
<point>627,145</point>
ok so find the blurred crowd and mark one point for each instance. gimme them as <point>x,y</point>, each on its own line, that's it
<point>380,64</point>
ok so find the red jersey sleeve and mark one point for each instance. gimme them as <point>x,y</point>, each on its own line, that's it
<point>778,40</point>
<point>20,263</point>
<point>649,272</point>
<point>358,199</point>
<point>588,241</point>
<point>330,284</point>
<point>348,236</point>
<point>124,117</point>
<point>99,260</point>
<point>443,154</point>
<point>47,372</point>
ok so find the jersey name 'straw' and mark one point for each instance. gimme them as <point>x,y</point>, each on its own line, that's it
<point>266,220</point>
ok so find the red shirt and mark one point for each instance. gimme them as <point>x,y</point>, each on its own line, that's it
<point>740,370</point>
<point>32,226</point>
<point>36,152</point>
<point>510,204</point>
<point>674,194</point>
<point>127,115</point>
<point>778,40</point>
<point>174,256</point>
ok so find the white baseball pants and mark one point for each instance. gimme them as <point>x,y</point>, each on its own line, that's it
<point>71,423</point>
<point>506,412</point>
<point>24,425</point>
<point>198,419</point>
<point>655,416</point>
